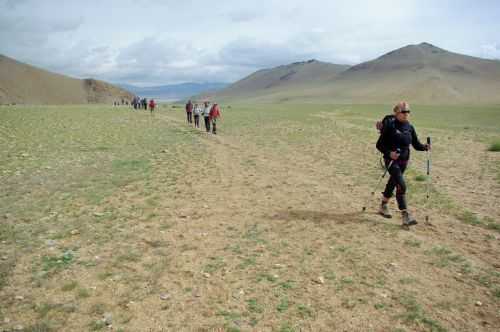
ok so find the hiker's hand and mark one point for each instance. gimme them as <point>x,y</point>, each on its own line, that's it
<point>394,155</point>
<point>379,125</point>
<point>427,147</point>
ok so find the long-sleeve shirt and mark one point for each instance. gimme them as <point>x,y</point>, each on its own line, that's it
<point>399,135</point>
<point>215,112</point>
<point>206,111</point>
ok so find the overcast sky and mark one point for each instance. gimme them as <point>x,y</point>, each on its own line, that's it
<point>153,42</point>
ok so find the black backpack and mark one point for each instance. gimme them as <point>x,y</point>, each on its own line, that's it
<point>387,123</point>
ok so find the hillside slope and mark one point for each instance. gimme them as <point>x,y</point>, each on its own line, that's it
<point>21,83</point>
<point>283,78</point>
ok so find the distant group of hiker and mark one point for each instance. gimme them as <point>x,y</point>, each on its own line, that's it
<point>210,112</point>
<point>138,103</point>
<point>123,102</point>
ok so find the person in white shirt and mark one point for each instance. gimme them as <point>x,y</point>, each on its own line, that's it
<point>206,115</point>
<point>197,111</point>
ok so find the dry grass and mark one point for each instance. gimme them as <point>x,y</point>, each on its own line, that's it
<point>110,213</point>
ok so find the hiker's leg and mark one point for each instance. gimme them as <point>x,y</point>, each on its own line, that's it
<point>214,127</point>
<point>401,188</point>
<point>391,184</point>
<point>387,194</point>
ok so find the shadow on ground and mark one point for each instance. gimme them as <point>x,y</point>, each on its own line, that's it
<point>319,217</point>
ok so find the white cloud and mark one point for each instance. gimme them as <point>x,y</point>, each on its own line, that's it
<point>491,51</point>
<point>159,42</point>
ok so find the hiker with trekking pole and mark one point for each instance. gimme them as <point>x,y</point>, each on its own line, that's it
<point>206,115</point>
<point>152,106</point>
<point>214,116</point>
<point>396,135</point>
<point>189,112</point>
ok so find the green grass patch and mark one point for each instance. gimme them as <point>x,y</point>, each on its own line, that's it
<point>287,327</point>
<point>267,277</point>
<point>254,306</point>
<point>304,311</point>
<point>445,257</point>
<point>39,327</point>
<point>97,325</point>
<point>283,305</point>
<point>69,286</point>
<point>82,293</point>
<point>215,264</point>
<point>289,284</point>
<point>407,280</point>
<point>229,316</point>
<point>470,218</point>
<point>43,309</point>
<point>494,147</point>
<point>247,262</point>
<point>51,263</point>
<point>414,243</point>
<point>420,178</point>
<point>414,314</point>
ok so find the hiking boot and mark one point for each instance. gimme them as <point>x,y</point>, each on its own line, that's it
<point>384,211</point>
<point>408,220</point>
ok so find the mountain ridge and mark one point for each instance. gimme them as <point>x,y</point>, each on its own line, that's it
<point>422,73</point>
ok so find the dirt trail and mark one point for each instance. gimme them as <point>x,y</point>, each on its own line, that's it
<point>291,198</point>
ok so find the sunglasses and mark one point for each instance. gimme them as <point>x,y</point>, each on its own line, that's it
<point>405,111</point>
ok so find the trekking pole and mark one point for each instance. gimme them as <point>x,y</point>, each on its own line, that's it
<point>386,170</point>
<point>428,177</point>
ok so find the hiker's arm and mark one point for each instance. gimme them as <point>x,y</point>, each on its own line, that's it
<point>417,145</point>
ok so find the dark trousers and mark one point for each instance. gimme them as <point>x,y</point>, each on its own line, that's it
<point>396,181</point>
<point>189,117</point>
<point>197,121</point>
<point>207,123</point>
<point>214,126</point>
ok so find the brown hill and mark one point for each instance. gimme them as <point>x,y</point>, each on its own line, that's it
<point>21,83</point>
<point>292,76</point>
<point>420,73</point>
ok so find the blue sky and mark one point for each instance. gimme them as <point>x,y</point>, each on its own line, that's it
<point>148,42</point>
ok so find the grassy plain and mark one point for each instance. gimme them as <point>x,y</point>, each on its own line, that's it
<point>113,217</point>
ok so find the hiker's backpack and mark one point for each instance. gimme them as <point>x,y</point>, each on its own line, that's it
<point>386,123</point>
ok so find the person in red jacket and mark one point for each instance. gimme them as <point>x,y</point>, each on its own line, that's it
<point>152,105</point>
<point>214,115</point>
<point>189,111</point>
